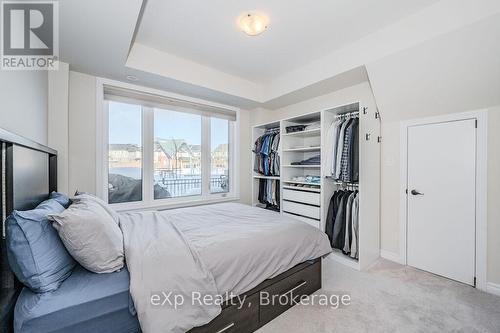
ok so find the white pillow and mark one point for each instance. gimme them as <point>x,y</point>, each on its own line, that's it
<point>86,196</point>
<point>91,236</point>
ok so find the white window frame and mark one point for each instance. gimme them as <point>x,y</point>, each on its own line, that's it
<point>148,202</point>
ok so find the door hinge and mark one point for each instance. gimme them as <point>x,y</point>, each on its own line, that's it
<point>476,123</point>
<point>364,110</point>
<point>474,276</point>
<point>377,115</point>
<point>379,139</point>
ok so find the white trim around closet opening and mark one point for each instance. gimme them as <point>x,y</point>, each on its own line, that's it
<point>481,117</point>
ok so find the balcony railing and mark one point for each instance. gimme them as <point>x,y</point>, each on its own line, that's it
<point>191,185</point>
<point>128,188</point>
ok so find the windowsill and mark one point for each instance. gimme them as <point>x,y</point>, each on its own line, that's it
<point>162,205</point>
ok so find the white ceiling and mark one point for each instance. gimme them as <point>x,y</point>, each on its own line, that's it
<point>300,31</point>
<point>194,47</point>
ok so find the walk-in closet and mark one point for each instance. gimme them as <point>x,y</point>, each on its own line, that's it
<point>329,176</point>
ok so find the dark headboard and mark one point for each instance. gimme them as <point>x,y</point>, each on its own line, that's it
<point>28,175</point>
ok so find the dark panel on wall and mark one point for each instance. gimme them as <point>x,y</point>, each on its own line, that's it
<point>30,177</point>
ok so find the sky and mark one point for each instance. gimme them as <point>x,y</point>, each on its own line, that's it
<point>125,126</point>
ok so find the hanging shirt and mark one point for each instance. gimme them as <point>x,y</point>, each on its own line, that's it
<point>353,167</point>
<point>336,135</point>
<point>345,172</point>
<point>340,149</point>
<point>331,214</point>
<point>339,226</point>
<point>348,224</point>
<point>331,146</point>
<point>355,228</point>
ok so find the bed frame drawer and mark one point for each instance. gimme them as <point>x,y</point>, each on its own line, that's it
<point>304,282</point>
<point>234,320</point>
<point>301,209</point>
<point>302,196</point>
<point>303,279</point>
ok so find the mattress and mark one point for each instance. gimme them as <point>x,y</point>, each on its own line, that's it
<point>85,302</point>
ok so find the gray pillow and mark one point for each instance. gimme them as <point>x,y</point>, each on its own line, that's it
<point>91,236</point>
<point>86,196</point>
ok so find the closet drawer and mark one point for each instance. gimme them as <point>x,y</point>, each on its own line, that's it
<point>300,209</point>
<point>232,319</point>
<point>312,222</point>
<point>302,196</point>
<point>288,290</point>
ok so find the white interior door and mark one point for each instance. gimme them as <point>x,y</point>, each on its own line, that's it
<point>441,199</point>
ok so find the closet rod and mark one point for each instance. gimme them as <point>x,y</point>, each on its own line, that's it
<point>270,130</point>
<point>348,114</point>
<point>338,182</point>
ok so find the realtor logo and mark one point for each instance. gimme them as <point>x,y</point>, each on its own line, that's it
<point>30,39</point>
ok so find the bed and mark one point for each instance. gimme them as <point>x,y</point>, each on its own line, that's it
<point>245,251</point>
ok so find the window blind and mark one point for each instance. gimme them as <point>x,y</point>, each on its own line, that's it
<point>130,96</point>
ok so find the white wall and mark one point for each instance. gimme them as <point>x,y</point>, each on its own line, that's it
<point>23,103</point>
<point>456,72</point>
<point>344,96</point>
<point>58,135</point>
<point>245,159</point>
<point>82,132</point>
<point>494,195</point>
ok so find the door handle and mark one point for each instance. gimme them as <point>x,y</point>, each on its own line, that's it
<point>415,192</point>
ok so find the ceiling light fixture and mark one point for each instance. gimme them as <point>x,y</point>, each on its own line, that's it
<point>253,24</point>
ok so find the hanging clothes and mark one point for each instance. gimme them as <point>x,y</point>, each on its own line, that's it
<point>355,228</point>
<point>342,149</point>
<point>332,136</point>
<point>267,161</point>
<point>342,222</point>
<point>269,194</point>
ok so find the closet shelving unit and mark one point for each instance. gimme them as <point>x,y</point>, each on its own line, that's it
<point>310,204</point>
<point>301,199</point>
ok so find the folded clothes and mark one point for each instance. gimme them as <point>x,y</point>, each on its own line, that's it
<point>315,160</point>
<point>313,179</point>
<point>307,179</point>
<point>315,125</point>
<point>295,128</point>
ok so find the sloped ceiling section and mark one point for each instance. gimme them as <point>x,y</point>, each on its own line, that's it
<point>457,72</point>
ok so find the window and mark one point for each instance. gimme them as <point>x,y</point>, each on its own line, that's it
<point>219,178</point>
<point>177,154</point>
<point>124,153</point>
<point>161,153</point>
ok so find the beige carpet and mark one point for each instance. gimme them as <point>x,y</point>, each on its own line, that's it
<point>393,298</point>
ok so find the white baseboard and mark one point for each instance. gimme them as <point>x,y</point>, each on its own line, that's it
<point>493,288</point>
<point>392,256</point>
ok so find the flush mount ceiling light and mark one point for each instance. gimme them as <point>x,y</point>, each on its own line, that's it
<point>253,24</point>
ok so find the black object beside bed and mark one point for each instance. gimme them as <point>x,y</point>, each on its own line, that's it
<point>29,175</point>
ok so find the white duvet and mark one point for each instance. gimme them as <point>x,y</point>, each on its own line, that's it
<point>224,249</point>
